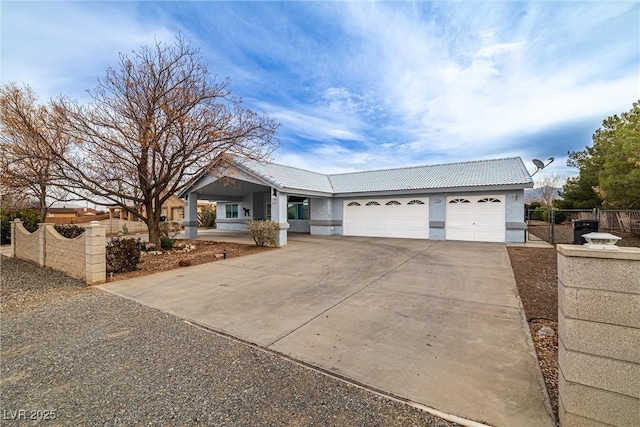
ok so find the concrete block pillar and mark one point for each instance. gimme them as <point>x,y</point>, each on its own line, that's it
<point>96,260</point>
<point>599,336</point>
<point>14,224</point>
<point>191,216</point>
<point>42,243</point>
<point>279,214</point>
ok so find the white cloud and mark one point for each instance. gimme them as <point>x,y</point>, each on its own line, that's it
<point>64,47</point>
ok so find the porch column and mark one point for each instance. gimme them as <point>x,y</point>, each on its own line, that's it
<point>279,214</point>
<point>191,216</point>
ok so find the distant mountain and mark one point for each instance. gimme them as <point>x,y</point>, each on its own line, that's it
<point>533,194</point>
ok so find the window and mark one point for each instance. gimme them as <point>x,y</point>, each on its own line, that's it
<point>231,210</point>
<point>373,204</point>
<point>489,200</point>
<point>298,210</point>
<point>393,203</point>
<point>416,202</point>
<point>353,204</point>
<point>459,201</point>
<point>268,216</point>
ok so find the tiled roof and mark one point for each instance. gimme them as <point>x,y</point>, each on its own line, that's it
<point>509,171</point>
<point>466,174</point>
<point>290,177</point>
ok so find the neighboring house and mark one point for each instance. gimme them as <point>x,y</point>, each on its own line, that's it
<point>85,212</point>
<point>63,212</point>
<point>476,201</point>
<point>69,215</point>
<point>172,210</point>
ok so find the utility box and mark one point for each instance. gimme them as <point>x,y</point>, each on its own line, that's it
<point>582,227</point>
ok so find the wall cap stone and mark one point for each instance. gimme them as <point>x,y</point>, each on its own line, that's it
<point>628,253</point>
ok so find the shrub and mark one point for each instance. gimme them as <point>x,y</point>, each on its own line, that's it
<point>69,231</point>
<point>30,219</point>
<point>541,214</point>
<point>166,243</point>
<point>558,216</point>
<point>169,229</point>
<point>148,246</point>
<point>123,254</point>
<point>208,215</point>
<point>264,232</point>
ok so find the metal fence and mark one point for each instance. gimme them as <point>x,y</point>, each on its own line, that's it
<point>556,225</point>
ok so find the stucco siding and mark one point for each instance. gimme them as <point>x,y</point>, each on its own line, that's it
<point>299,226</point>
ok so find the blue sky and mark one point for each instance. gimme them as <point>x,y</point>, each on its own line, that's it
<point>366,85</point>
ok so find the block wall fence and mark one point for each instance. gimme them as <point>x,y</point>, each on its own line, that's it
<point>599,336</point>
<point>83,257</point>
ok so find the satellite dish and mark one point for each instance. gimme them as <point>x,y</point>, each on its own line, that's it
<point>538,163</point>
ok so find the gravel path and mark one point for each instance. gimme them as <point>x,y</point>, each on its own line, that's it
<point>99,360</point>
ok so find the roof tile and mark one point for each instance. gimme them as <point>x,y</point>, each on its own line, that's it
<point>509,171</point>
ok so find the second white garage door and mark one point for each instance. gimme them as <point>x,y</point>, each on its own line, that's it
<point>475,218</point>
<point>388,217</point>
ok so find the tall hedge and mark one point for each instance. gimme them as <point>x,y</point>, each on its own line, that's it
<point>30,219</point>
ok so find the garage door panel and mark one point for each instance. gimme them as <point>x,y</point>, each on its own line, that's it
<point>475,218</point>
<point>387,217</point>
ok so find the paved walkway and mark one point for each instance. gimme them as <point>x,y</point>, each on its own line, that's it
<point>438,323</point>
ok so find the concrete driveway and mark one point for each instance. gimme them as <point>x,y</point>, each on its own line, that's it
<point>438,323</point>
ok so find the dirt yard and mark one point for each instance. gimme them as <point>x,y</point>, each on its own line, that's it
<point>535,271</point>
<point>206,251</point>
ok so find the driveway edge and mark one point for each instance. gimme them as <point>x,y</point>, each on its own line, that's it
<point>435,412</point>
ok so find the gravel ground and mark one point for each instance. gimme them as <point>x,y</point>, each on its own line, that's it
<point>535,271</point>
<point>95,359</point>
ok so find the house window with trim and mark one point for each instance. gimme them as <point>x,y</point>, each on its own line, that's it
<point>231,210</point>
<point>298,208</point>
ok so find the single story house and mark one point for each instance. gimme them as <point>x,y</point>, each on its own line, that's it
<point>475,201</point>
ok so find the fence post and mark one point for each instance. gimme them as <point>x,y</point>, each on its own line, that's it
<point>95,248</point>
<point>598,331</point>
<point>42,244</point>
<point>552,217</point>
<point>14,223</point>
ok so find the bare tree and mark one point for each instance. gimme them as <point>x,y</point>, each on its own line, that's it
<point>153,124</point>
<point>28,135</point>
<point>548,191</point>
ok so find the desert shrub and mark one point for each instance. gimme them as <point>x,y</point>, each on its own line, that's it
<point>264,232</point>
<point>30,219</point>
<point>169,229</point>
<point>148,246</point>
<point>166,243</point>
<point>123,254</point>
<point>558,216</point>
<point>69,231</point>
<point>540,213</point>
<point>208,215</point>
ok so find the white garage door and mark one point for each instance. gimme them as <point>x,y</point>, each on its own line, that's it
<point>387,217</point>
<point>475,218</point>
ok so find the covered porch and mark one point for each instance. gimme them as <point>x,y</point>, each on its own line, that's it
<point>241,197</point>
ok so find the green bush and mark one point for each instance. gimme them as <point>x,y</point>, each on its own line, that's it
<point>264,232</point>
<point>123,254</point>
<point>69,231</point>
<point>558,217</point>
<point>541,214</point>
<point>208,215</point>
<point>166,243</point>
<point>30,219</point>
